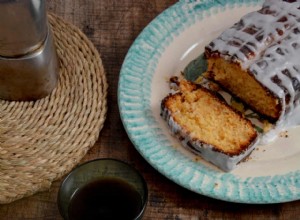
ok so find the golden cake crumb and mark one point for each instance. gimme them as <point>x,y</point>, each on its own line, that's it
<point>267,126</point>
<point>209,119</point>
<point>284,134</point>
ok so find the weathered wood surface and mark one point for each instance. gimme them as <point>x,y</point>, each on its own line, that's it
<point>112,25</point>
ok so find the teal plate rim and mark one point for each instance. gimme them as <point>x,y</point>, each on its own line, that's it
<point>134,92</point>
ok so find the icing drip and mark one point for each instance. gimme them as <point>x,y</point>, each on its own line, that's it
<point>266,43</point>
<point>206,151</point>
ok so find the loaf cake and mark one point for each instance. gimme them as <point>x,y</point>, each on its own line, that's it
<point>257,59</point>
<point>206,125</point>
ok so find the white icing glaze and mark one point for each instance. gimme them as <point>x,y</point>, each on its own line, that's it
<point>273,51</point>
<point>206,151</point>
<point>292,121</point>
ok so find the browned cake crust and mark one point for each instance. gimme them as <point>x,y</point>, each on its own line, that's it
<point>207,125</point>
<point>257,59</point>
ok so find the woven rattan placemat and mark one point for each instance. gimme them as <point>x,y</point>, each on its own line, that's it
<point>43,140</point>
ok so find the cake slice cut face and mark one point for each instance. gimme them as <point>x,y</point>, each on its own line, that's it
<point>257,59</point>
<point>208,126</point>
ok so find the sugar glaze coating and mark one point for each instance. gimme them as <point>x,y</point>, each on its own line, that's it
<point>224,161</point>
<point>266,43</point>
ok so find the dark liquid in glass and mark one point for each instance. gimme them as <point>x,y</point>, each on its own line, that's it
<point>109,198</point>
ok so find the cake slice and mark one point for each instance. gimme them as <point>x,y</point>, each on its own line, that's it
<point>257,60</point>
<point>209,127</point>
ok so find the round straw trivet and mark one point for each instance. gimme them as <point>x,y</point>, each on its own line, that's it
<point>43,140</point>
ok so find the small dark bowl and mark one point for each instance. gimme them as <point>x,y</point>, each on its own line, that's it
<point>96,170</point>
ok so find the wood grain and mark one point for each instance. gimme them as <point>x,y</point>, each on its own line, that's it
<point>112,26</point>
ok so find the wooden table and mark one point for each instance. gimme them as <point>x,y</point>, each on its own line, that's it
<point>112,25</point>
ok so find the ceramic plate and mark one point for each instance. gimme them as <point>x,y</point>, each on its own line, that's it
<point>164,48</point>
